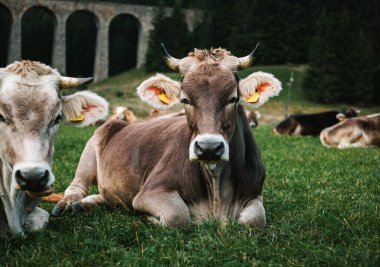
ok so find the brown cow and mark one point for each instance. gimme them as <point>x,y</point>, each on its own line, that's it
<point>205,164</point>
<point>31,108</point>
<point>311,124</point>
<point>253,118</point>
<point>123,113</point>
<point>353,132</point>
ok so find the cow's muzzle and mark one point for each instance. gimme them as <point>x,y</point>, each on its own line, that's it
<point>36,180</point>
<point>209,147</point>
<point>324,137</point>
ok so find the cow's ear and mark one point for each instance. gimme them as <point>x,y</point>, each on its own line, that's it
<point>340,116</point>
<point>160,91</point>
<point>84,108</point>
<point>258,87</point>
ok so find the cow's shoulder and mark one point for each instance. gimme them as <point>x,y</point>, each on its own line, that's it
<point>108,130</point>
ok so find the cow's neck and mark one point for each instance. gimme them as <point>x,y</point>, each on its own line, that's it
<point>218,171</point>
<point>13,200</point>
<point>214,172</point>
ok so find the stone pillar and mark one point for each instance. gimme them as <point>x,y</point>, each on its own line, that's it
<point>142,47</point>
<point>15,39</point>
<point>101,55</point>
<point>59,50</point>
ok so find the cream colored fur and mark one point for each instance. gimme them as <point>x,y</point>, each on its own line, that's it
<point>27,142</point>
<point>92,106</point>
<point>170,87</point>
<point>248,86</point>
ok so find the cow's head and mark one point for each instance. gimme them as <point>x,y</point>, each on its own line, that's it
<point>118,112</point>
<point>211,93</point>
<point>31,108</point>
<point>350,113</point>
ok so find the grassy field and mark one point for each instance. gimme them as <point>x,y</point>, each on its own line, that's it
<point>323,208</point>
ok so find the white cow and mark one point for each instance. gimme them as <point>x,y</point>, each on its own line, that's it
<point>31,108</point>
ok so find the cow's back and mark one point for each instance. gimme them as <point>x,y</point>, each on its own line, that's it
<point>313,124</point>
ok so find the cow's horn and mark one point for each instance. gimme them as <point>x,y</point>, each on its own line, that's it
<point>68,82</point>
<point>245,62</point>
<point>172,62</point>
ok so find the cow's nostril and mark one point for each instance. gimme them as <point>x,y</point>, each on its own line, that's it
<point>219,149</point>
<point>32,179</point>
<point>20,179</point>
<point>44,179</point>
<point>198,149</point>
<point>209,150</point>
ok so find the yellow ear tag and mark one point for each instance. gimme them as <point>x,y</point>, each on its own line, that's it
<point>78,118</point>
<point>253,98</point>
<point>164,98</point>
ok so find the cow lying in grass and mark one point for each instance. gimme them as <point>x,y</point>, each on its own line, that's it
<point>253,118</point>
<point>31,108</point>
<point>355,132</point>
<point>123,113</point>
<point>311,124</point>
<point>205,164</point>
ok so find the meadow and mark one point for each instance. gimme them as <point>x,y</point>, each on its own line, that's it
<point>322,206</point>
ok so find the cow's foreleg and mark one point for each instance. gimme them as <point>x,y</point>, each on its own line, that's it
<point>85,175</point>
<point>13,201</point>
<point>36,220</point>
<point>254,213</point>
<point>88,202</point>
<point>166,208</point>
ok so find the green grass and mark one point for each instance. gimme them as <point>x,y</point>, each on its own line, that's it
<point>322,209</point>
<point>322,205</point>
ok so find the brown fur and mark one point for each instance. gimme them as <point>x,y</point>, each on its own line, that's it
<point>146,165</point>
<point>214,54</point>
<point>353,132</point>
<point>31,109</point>
<point>29,70</point>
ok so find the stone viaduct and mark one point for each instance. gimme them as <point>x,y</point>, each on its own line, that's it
<point>104,13</point>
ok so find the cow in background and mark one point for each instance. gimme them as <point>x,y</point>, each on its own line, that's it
<point>123,113</point>
<point>31,109</point>
<point>311,124</point>
<point>195,167</point>
<point>353,132</point>
<point>253,118</point>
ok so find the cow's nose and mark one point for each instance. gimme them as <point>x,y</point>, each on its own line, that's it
<point>32,179</point>
<point>209,150</point>
<point>325,138</point>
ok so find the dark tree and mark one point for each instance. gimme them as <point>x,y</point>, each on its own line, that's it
<point>173,32</point>
<point>341,61</point>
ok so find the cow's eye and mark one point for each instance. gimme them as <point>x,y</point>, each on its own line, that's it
<point>58,119</point>
<point>232,100</point>
<point>185,101</point>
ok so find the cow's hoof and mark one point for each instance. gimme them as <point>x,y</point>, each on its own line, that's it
<point>77,207</point>
<point>57,211</point>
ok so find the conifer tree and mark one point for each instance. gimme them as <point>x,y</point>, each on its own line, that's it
<point>173,32</point>
<point>153,59</point>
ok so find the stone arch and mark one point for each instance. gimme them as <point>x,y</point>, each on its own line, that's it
<point>123,40</point>
<point>38,25</point>
<point>5,32</point>
<point>81,33</point>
